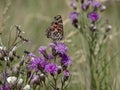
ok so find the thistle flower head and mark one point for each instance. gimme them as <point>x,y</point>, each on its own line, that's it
<point>31,56</point>
<point>37,64</point>
<point>51,68</point>
<point>5,87</point>
<point>85,5</point>
<point>73,4</point>
<point>93,16</point>
<point>42,49</point>
<point>60,48</point>
<point>96,4</point>
<point>66,75</point>
<point>65,60</point>
<point>35,79</point>
<point>27,87</point>
<point>73,16</point>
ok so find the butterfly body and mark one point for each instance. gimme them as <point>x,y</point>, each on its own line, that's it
<point>55,30</point>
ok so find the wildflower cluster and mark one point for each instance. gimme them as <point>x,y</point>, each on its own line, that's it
<point>90,11</point>
<point>8,56</point>
<point>87,18</point>
<point>46,70</point>
<point>50,65</point>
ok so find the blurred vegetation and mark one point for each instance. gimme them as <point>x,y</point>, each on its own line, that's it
<point>36,15</point>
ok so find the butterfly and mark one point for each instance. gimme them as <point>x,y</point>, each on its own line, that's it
<point>55,30</point>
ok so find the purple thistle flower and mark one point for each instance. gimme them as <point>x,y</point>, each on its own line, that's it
<point>93,16</point>
<point>85,5</point>
<point>60,48</point>
<point>5,87</point>
<point>73,4</point>
<point>43,63</point>
<point>96,4</point>
<point>36,64</point>
<point>35,79</point>
<point>51,68</point>
<point>65,60</point>
<point>50,57</point>
<point>66,73</point>
<point>52,45</point>
<point>31,55</point>
<point>73,16</point>
<point>31,66</point>
<point>42,49</point>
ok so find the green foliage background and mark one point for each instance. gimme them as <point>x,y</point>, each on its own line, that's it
<point>36,15</point>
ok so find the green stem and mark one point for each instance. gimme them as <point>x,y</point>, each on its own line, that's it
<point>55,82</point>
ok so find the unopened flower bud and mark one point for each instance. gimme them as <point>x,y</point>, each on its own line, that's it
<point>66,75</point>
<point>92,27</point>
<point>42,49</point>
<point>85,5</point>
<point>20,81</point>
<point>14,48</point>
<point>11,80</point>
<point>3,52</point>
<point>6,86</point>
<point>109,27</point>
<point>42,77</point>
<point>2,48</point>
<point>27,87</point>
<point>102,8</point>
<point>59,69</point>
<point>11,57</point>
<point>73,4</point>
<point>75,23</point>
<point>54,53</point>
<point>35,80</point>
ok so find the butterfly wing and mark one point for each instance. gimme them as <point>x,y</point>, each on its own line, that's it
<point>55,31</point>
<point>58,19</point>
